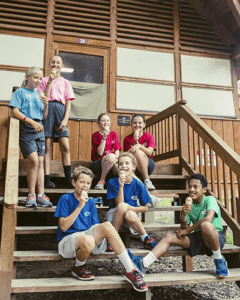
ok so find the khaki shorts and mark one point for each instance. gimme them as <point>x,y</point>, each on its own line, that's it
<point>67,246</point>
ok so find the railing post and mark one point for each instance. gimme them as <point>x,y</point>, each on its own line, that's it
<point>182,141</point>
<point>9,211</point>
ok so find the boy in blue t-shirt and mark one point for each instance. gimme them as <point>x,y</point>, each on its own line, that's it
<point>123,193</point>
<point>205,235</point>
<point>79,233</point>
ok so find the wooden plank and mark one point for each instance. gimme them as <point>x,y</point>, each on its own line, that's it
<point>45,255</point>
<point>4,125</point>
<point>85,141</point>
<point>117,282</point>
<point>74,139</point>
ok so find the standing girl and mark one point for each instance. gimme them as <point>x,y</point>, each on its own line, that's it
<point>105,150</point>
<point>27,106</point>
<point>60,93</point>
<point>141,145</point>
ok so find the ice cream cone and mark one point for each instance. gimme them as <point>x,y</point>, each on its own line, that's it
<point>188,201</point>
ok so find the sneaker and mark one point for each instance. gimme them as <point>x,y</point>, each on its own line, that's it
<point>109,248</point>
<point>221,268</point>
<point>136,280</point>
<point>49,185</point>
<point>44,201</point>
<point>148,184</point>
<point>82,273</point>
<point>149,242</point>
<point>137,261</point>
<point>155,200</point>
<point>100,185</point>
<point>31,201</point>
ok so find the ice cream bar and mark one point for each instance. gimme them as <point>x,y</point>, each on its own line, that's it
<point>188,201</point>
<point>136,132</point>
<point>54,70</point>
<point>84,194</point>
<point>41,94</point>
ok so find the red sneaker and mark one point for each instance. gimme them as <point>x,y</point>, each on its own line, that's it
<point>136,280</point>
<point>82,273</point>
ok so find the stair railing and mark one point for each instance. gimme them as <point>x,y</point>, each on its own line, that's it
<point>179,132</point>
<point>9,211</point>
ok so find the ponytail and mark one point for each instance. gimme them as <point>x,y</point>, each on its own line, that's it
<point>30,71</point>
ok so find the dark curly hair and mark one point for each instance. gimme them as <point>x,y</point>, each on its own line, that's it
<point>200,177</point>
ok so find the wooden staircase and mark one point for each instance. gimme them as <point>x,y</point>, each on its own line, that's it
<point>169,179</point>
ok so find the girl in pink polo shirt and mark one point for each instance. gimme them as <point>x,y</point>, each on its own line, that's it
<point>105,150</point>
<point>141,145</point>
<point>60,94</point>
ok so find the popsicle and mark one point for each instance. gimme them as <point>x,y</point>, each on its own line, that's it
<point>188,201</point>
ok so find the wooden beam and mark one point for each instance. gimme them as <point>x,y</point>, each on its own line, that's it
<point>167,155</point>
<point>49,48</point>
<point>235,8</point>
<point>177,57</point>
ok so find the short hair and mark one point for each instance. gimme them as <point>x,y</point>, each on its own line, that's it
<point>81,170</point>
<point>128,154</point>
<point>138,115</point>
<point>30,71</point>
<point>55,55</point>
<point>101,115</point>
<point>200,177</point>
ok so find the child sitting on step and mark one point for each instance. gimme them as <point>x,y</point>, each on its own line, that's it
<point>79,233</point>
<point>123,192</point>
<point>105,150</point>
<point>31,110</point>
<point>205,235</point>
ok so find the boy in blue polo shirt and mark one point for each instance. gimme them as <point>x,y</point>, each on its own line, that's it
<point>204,235</point>
<point>123,193</point>
<point>79,233</point>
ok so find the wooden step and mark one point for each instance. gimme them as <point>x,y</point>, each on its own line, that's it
<point>117,282</point>
<point>46,255</point>
<point>53,229</point>
<point>99,208</point>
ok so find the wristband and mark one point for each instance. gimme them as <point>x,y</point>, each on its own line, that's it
<point>24,118</point>
<point>104,139</point>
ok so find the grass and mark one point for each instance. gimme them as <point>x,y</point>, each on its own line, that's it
<point>229,238</point>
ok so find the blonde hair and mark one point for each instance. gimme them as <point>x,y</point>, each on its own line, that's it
<point>128,154</point>
<point>81,170</point>
<point>30,71</point>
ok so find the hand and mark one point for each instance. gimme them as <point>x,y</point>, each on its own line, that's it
<point>52,76</point>
<point>136,136</point>
<point>44,99</point>
<point>106,133</point>
<point>62,125</point>
<point>186,209</point>
<point>181,233</point>
<point>37,126</point>
<point>135,148</point>
<point>122,179</point>
<point>83,199</point>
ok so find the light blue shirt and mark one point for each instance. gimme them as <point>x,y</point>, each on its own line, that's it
<point>28,102</point>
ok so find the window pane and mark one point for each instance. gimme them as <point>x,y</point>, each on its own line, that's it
<point>86,68</point>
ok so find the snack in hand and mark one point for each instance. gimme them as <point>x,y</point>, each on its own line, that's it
<point>41,94</point>
<point>188,201</point>
<point>54,71</point>
<point>136,132</point>
<point>84,194</point>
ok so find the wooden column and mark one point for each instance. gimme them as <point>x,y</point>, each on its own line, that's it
<point>182,139</point>
<point>187,263</point>
<point>49,47</point>
<point>176,49</point>
<point>9,211</point>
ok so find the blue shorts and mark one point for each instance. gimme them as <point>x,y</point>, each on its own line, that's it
<point>151,167</point>
<point>56,113</point>
<point>30,140</point>
<point>197,244</point>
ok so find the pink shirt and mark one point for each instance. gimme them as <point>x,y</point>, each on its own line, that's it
<point>61,89</point>
<point>147,140</point>
<point>111,146</point>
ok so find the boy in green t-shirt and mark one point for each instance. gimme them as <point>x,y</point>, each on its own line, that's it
<point>205,235</point>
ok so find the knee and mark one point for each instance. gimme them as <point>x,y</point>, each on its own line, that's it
<point>110,158</point>
<point>169,237</point>
<point>33,162</point>
<point>40,161</point>
<point>65,149</point>
<point>86,243</point>
<point>107,227</point>
<point>206,226</point>
<point>48,147</point>
<point>131,217</point>
<point>139,154</point>
<point>122,207</point>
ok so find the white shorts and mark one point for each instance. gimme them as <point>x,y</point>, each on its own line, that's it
<point>110,214</point>
<point>67,246</point>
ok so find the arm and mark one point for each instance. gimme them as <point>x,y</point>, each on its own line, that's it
<point>47,90</point>
<point>139,209</point>
<point>66,116</point>
<point>148,151</point>
<point>20,116</point>
<point>45,110</point>
<point>66,223</point>
<point>101,148</point>
<point>185,229</point>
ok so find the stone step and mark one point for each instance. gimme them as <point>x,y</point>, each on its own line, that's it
<point>117,282</point>
<point>46,255</point>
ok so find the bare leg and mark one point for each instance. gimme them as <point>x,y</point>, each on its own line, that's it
<point>133,220</point>
<point>85,245</point>
<point>32,171</point>
<point>106,230</point>
<point>40,175</point>
<point>119,214</point>
<point>48,154</point>
<point>142,163</point>
<point>65,150</point>
<point>107,164</point>
<point>210,236</point>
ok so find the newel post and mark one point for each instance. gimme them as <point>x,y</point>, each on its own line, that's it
<point>182,138</point>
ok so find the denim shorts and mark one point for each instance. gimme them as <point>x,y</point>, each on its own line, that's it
<point>197,244</point>
<point>151,167</point>
<point>30,140</point>
<point>56,113</point>
<point>67,246</point>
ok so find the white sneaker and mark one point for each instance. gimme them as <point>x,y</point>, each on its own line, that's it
<point>155,200</point>
<point>148,184</point>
